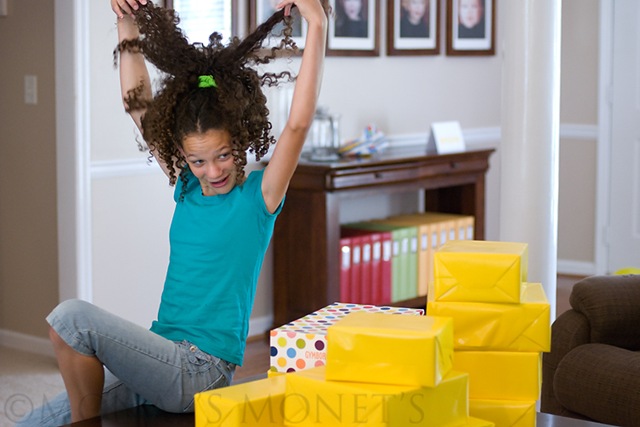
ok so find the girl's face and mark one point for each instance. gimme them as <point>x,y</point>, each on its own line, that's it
<point>352,9</point>
<point>416,9</point>
<point>210,158</point>
<point>470,12</point>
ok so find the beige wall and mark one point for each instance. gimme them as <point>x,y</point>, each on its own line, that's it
<point>579,76</point>
<point>28,236</point>
<point>402,95</point>
<point>578,105</point>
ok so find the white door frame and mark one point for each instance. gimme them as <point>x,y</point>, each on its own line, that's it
<point>73,147</point>
<point>603,178</point>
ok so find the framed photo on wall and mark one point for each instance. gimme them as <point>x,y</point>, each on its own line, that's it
<point>353,30</point>
<point>471,27</point>
<point>261,10</point>
<point>413,27</point>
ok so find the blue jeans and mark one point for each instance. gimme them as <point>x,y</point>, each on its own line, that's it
<point>141,366</point>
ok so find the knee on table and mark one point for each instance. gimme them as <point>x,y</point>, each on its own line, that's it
<point>67,312</point>
<point>71,307</point>
<point>74,320</point>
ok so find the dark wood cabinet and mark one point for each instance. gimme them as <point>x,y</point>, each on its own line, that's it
<point>307,232</point>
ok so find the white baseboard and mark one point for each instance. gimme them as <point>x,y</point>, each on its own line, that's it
<point>260,325</point>
<point>25,342</point>
<point>576,268</point>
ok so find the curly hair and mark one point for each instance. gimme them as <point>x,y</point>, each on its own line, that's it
<point>181,107</point>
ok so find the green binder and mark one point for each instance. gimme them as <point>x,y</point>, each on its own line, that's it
<point>404,264</point>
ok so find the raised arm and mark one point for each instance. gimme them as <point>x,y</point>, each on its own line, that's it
<point>133,69</point>
<point>307,88</point>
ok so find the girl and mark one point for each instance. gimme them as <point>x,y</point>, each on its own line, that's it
<point>208,112</point>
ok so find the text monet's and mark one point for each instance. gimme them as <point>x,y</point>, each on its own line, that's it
<point>306,398</point>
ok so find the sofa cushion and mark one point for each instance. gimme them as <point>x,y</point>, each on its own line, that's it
<point>614,317</point>
<point>569,330</point>
<point>601,382</point>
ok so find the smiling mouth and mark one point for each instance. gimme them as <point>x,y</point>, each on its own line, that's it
<point>218,184</point>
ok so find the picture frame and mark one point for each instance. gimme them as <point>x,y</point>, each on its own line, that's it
<point>413,27</point>
<point>471,27</point>
<point>187,21</point>
<point>261,10</point>
<point>348,36</point>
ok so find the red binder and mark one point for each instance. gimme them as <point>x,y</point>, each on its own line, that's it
<point>385,267</point>
<point>376,290</point>
<point>366,284</point>
<point>376,269</point>
<point>356,270</point>
<point>345,269</point>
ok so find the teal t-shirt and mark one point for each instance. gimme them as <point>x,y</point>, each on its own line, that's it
<point>217,248</point>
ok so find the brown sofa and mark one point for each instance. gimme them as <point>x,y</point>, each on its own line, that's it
<point>593,369</point>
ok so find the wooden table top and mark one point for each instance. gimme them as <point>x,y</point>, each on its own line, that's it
<point>150,416</point>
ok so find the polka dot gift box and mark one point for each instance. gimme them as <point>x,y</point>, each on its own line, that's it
<point>302,344</point>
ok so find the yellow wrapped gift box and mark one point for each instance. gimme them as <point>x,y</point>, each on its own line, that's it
<point>310,399</point>
<point>505,413</point>
<point>403,350</point>
<point>302,344</point>
<point>251,404</point>
<point>477,422</point>
<point>480,271</point>
<point>501,374</point>
<point>502,327</point>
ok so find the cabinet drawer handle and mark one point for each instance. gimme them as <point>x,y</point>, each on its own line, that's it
<point>377,175</point>
<point>454,165</point>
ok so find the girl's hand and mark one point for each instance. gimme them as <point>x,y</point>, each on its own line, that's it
<point>311,10</point>
<point>126,7</point>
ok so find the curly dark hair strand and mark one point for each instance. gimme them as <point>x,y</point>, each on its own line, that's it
<point>181,107</point>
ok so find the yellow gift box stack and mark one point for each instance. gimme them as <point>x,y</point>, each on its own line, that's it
<point>251,404</point>
<point>381,370</point>
<point>501,326</point>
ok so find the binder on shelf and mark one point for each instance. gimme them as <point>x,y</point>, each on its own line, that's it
<point>454,227</point>
<point>408,259</point>
<point>412,268</point>
<point>345,269</point>
<point>377,253</point>
<point>375,269</point>
<point>469,224</point>
<point>434,229</point>
<point>433,247</point>
<point>407,267</point>
<point>403,282</point>
<point>386,265</point>
<point>444,232</point>
<point>356,270</point>
<point>422,243</point>
<point>366,284</point>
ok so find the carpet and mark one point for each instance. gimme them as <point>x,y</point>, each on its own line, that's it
<point>27,381</point>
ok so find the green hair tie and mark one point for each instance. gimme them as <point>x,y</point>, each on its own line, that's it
<point>206,81</point>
